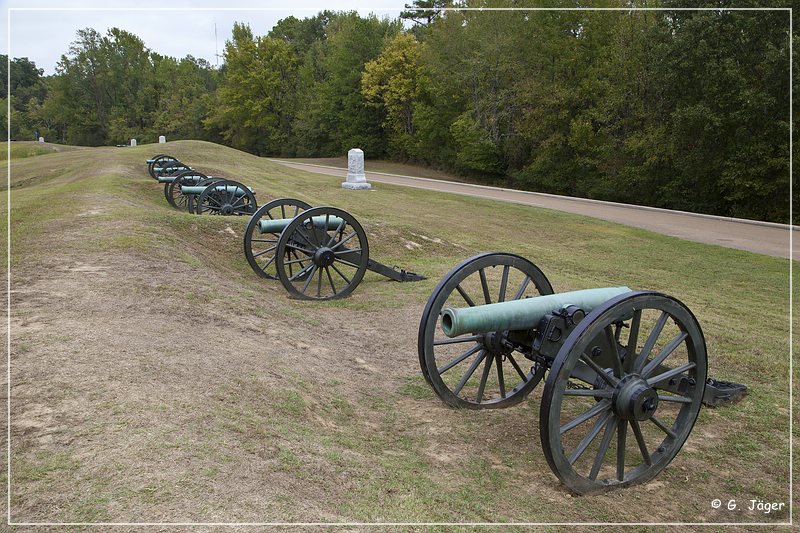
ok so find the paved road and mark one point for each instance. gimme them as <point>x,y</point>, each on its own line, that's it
<point>759,237</point>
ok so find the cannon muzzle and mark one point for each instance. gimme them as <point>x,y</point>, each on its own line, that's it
<point>518,315</point>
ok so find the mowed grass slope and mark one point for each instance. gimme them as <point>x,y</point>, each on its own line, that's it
<point>156,378</point>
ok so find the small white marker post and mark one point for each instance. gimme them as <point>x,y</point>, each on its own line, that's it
<point>133,142</point>
<point>356,179</point>
<point>161,139</point>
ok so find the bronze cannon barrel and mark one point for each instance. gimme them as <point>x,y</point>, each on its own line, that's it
<point>277,225</point>
<point>523,314</point>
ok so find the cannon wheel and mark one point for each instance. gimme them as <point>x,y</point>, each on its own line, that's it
<point>217,201</point>
<point>157,162</point>
<point>172,190</point>
<point>259,248</point>
<point>191,199</point>
<point>450,365</point>
<point>329,264</point>
<point>631,394</point>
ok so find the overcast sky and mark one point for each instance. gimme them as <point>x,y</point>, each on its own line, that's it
<point>177,28</point>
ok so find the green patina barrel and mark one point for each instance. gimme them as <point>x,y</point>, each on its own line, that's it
<point>277,225</point>
<point>517,315</point>
<point>194,189</point>
<point>170,179</point>
<point>161,169</point>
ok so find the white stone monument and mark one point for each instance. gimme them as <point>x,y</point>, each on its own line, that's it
<point>161,139</point>
<point>133,142</point>
<point>41,140</point>
<point>356,179</point>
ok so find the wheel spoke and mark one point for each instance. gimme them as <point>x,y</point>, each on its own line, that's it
<point>300,260</point>
<point>588,415</point>
<point>264,251</point>
<point>587,440</point>
<point>522,287</point>
<point>670,398</point>
<point>300,273</point>
<point>458,359</point>
<point>264,268</point>
<point>333,266</point>
<point>503,284</point>
<point>637,431</point>
<point>346,251</point>
<point>633,339</point>
<point>674,372</point>
<point>517,368</point>
<point>310,277</point>
<point>650,342</point>
<point>501,382</point>
<point>465,296</point>
<point>663,427</point>
<point>330,280</point>
<point>319,283</point>
<point>598,393</point>
<point>663,354</point>
<point>616,362</point>
<point>348,263</point>
<point>611,428</point>
<point>470,371</point>
<point>300,248</point>
<point>487,367</point>
<point>336,232</point>
<point>457,340</point>
<point>341,242</point>
<point>622,433</point>
<point>484,286</point>
<point>302,234</point>
<point>599,371</point>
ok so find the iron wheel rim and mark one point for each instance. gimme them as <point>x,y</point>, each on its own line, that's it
<point>434,365</point>
<point>672,419</point>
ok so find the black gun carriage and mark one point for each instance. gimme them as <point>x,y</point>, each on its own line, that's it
<point>626,371</point>
<point>318,253</point>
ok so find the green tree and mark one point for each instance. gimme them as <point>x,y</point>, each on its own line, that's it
<point>255,104</point>
<point>392,82</point>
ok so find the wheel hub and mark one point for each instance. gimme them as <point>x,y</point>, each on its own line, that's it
<point>226,209</point>
<point>324,257</point>
<point>634,399</point>
<point>495,343</point>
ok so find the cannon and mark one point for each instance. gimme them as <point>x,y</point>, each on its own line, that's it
<point>163,165</point>
<point>318,253</point>
<point>626,370</point>
<point>219,197</point>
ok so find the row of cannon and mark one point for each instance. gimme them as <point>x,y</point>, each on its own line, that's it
<point>625,370</point>
<point>317,253</point>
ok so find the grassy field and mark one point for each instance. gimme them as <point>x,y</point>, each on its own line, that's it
<point>156,378</point>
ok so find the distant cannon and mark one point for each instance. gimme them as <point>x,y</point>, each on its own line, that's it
<point>163,165</point>
<point>626,370</point>
<point>317,253</point>
<point>190,189</point>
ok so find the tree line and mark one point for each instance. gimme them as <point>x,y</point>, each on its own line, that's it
<point>678,109</point>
